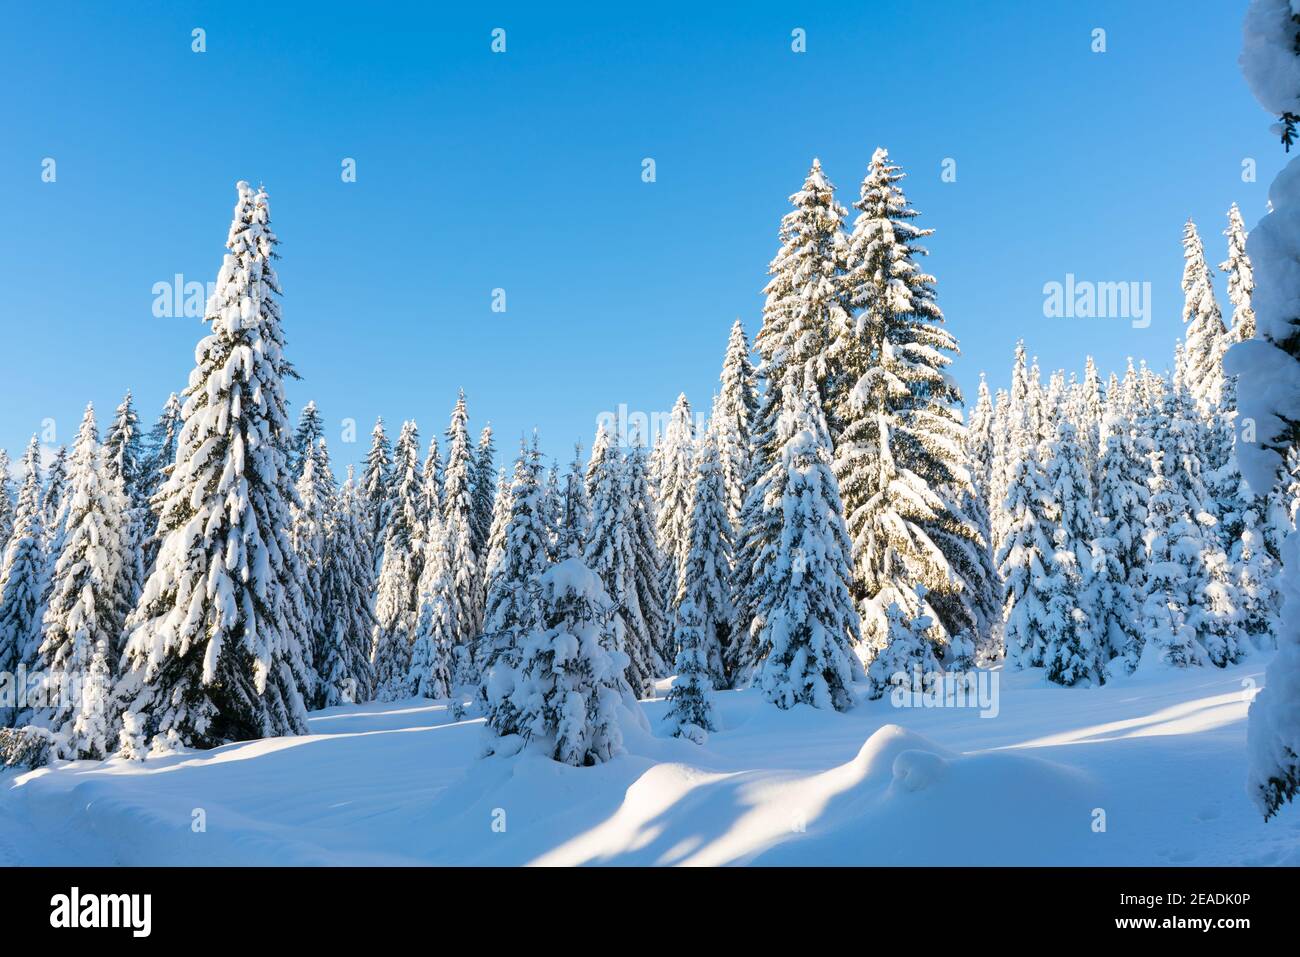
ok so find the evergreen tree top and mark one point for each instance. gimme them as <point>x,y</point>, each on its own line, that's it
<point>122,443</point>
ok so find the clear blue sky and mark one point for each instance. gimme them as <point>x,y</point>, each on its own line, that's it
<point>522,171</point>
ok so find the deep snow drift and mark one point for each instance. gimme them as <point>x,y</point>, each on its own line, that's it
<point>1161,756</point>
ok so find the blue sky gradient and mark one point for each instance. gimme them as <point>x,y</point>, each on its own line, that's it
<point>522,171</point>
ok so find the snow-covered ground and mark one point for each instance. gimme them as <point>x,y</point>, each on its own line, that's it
<point>1163,756</point>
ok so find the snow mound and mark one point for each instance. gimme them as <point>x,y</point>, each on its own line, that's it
<point>880,753</point>
<point>918,770</point>
<point>905,800</point>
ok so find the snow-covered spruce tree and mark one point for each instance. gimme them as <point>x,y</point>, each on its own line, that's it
<point>899,453</point>
<point>1053,404</point>
<point>215,651</point>
<point>89,599</point>
<point>429,674</point>
<point>704,577</point>
<point>459,522</point>
<point>1021,413</point>
<point>7,517</point>
<point>53,502</point>
<point>512,603</point>
<point>1087,409</point>
<point>998,471</point>
<point>1118,561</point>
<point>123,454</point>
<point>980,444</point>
<point>648,563</point>
<point>483,486</point>
<point>93,733</point>
<point>676,478</point>
<point>564,695</point>
<point>496,541</point>
<point>807,622</point>
<point>56,485</point>
<point>1210,593</point>
<point>690,704</point>
<point>576,515</point>
<point>1110,601</point>
<point>974,500</point>
<point>312,515</point>
<point>21,575</point>
<point>552,511</point>
<point>1168,638</point>
<point>733,417</point>
<point>1256,583</point>
<point>1074,652</point>
<point>124,462</point>
<point>611,554</point>
<point>1283,503</point>
<point>431,483</point>
<point>346,594</point>
<point>160,453</point>
<point>1024,559</point>
<point>1268,371</point>
<point>1241,278</point>
<point>908,646</point>
<point>1206,337</point>
<point>306,436</point>
<point>984,641</point>
<point>160,443</point>
<point>376,480</point>
<point>396,598</point>
<point>804,303</point>
<point>743,654</point>
<point>656,453</point>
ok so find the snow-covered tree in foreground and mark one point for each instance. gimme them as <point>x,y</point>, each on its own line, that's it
<point>808,623</point>
<point>908,648</point>
<point>88,601</point>
<point>690,704</point>
<point>1268,371</point>
<point>899,452</point>
<point>216,648</point>
<point>565,695</point>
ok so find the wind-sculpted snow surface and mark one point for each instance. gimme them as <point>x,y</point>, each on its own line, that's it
<point>1156,760</point>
